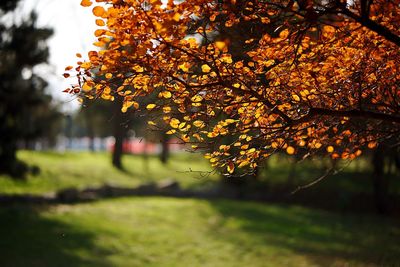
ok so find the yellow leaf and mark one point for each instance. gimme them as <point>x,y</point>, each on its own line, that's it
<point>171,131</point>
<point>226,59</point>
<point>284,34</point>
<point>230,121</point>
<point>196,98</point>
<point>198,123</point>
<point>296,98</point>
<point>220,44</point>
<point>167,109</point>
<point>176,17</point>
<point>244,147</point>
<point>184,67</point>
<point>150,106</point>
<point>128,104</point>
<point>302,143</point>
<point>244,163</point>
<point>86,87</point>
<point>86,65</point>
<point>242,136</point>
<point>185,138</point>
<point>265,20</point>
<point>205,68</point>
<point>251,150</point>
<point>166,94</point>
<point>151,123</point>
<point>212,134</point>
<point>174,123</point>
<point>230,167</point>
<point>328,31</point>
<point>182,125</point>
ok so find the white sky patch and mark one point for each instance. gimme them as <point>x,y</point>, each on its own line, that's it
<point>73,27</point>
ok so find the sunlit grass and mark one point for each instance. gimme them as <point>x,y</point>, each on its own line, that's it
<point>82,169</point>
<point>188,232</point>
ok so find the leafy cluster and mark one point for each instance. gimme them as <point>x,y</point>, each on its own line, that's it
<point>304,76</point>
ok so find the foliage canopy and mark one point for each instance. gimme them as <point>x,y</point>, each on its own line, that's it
<point>248,78</point>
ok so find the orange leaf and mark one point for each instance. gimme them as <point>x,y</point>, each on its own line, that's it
<point>86,3</point>
<point>98,11</point>
<point>290,150</point>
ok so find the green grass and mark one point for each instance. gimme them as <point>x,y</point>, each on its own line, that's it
<point>82,169</point>
<point>187,232</point>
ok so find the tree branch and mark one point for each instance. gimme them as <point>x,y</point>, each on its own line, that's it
<point>373,26</point>
<point>354,113</point>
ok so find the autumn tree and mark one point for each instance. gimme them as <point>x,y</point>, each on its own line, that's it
<point>319,77</point>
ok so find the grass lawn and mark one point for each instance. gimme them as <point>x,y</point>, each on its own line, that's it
<point>188,232</point>
<point>82,169</point>
<point>183,232</point>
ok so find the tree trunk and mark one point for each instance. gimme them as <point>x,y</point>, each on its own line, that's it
<point>9,164</point>
<point>380,182</point>
<point>119,134</point>
<point>164,148</point>
<point>7,156</point>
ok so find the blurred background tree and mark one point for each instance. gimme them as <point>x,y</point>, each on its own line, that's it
<point>26,110</point>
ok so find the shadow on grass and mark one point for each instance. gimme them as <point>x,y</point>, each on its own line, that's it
<point>27,238</point>
<point>324,238</point>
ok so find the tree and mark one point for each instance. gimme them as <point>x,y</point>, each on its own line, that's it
<point>104,118</point>
<point>24,106</point>
<point>319,77</point>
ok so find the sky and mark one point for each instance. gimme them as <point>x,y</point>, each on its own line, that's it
<point>73,27</point>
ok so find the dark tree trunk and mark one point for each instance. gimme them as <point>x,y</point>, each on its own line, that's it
<point>119,134</point>
<point>9,163</point>
<point>164,148</point>
<point>380,182</point>
<point>8,156</point>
